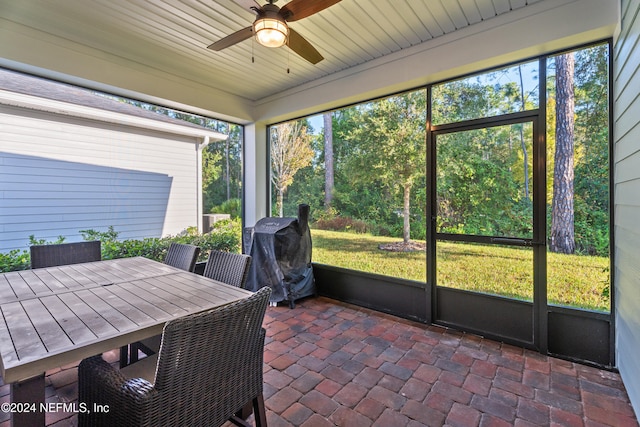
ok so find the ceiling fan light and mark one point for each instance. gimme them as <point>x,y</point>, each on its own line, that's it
<point>271,32</point>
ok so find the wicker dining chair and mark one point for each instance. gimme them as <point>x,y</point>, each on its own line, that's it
<point>64,253</point>
<point>182,256</point>
<point>209,366</point>
<point>229,268</point>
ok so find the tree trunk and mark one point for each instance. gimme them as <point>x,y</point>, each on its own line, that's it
<point>562,214</point>
<point>406,213</point>
<point>280,203</point>
<point>328,161</point>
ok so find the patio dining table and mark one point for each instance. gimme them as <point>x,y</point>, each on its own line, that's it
<point>54,316</point>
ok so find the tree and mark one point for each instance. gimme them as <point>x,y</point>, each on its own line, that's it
<point>591,181</point>
<point>393,146</point>
<point>211,171</point>
<point>290,151</point>
<point>562,211</point>
<point>222,171</point>
<point>328,161</point>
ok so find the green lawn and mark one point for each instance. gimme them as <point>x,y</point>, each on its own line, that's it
<point>579,281</point>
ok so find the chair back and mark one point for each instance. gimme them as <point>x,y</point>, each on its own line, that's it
<point>229,268</point>
<point>64,254</point>
<point>212,362</point>
<point>182,256</point>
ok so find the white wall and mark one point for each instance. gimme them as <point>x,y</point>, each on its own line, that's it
<point>60,174</point>
<point>627,198</point>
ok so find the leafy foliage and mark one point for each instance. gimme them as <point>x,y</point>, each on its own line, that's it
<point>486,185</point>
<point>391,137</point>
<point>290,152</point>
<point>14,260</point>
<point>21,259</point>
<point>479,183</point>
<point>225,236</point>
<point>222,170</point>
<point>232,207</point>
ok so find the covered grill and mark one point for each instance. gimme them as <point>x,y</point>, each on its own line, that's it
<point>281,257</point>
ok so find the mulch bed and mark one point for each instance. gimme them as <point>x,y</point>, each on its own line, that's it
<point>404,247</point>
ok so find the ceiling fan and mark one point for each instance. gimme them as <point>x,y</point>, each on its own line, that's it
<point>271,27</point>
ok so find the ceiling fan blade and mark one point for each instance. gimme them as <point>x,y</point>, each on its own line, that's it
<point>298,9</point>
<point>299,45</point>
<point>232,39</point>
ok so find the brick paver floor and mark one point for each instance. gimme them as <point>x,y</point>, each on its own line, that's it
<point>332,364</point>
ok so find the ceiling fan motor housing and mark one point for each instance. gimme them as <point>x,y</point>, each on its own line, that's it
<point>270,28</point>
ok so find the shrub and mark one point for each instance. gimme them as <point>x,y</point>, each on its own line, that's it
<point>232,207</point>
<point>14,260</point>
<point>21,259</point>
<point>225,236</point>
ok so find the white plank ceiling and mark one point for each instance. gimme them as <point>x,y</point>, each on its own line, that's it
<point>172,35</point>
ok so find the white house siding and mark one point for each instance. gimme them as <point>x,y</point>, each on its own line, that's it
<point>62,174</point>
<point>627,197</point>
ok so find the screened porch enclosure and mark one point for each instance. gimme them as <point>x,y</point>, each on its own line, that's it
<point>484,194</point>
<point>157,53</point>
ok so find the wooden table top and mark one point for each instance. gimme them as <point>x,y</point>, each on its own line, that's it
<point>53,316</point>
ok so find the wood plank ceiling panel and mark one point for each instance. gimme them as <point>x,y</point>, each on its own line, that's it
<point>239,68</point>
<point>501,6</point>
<point>358,26</point>
<point>442,17</point>
<point>171,36</point>
<point>415,30</point>
<point>374,31</point>
<point>517,4</point>
<point>163,26</point>
<point>470,10</point>
<point>390,23</point>
<point>456,14</point>
<point>419,16</point>
<point>487,11</point>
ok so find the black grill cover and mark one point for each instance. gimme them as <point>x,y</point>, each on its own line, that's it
<point>280,249</point>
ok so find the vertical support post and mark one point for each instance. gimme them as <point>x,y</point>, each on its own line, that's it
<point>256,174</point>
<point>29,391</point>
<point>540,306</point>
<point>430,289</point>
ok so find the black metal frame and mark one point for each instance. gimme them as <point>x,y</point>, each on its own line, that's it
<point>566,332</point>
<point>504,319</point>
<point>559,331</point>
<point>399,297</point>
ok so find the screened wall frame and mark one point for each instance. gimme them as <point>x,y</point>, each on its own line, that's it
<point>556,330</point>
<point>500,318</point>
